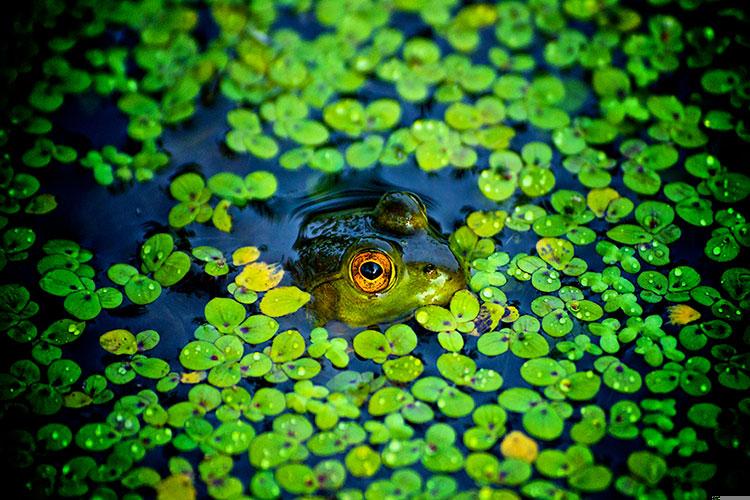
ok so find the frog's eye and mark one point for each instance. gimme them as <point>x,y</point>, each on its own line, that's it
<point>371,271</point>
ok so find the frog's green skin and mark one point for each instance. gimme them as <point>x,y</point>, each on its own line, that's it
<point>426,271</point>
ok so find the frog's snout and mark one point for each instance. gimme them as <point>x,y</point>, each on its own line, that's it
<point>455,279</point>
<point>443,283</point>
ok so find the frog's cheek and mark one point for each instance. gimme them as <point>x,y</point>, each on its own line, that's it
<point>325,302</point>
<point>340,300</point>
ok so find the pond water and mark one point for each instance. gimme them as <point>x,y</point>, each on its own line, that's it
<point>578,157</point>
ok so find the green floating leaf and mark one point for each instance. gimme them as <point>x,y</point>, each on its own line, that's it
<point>287,346</point>
<point>142,290</point>
<point>119,342</point>
<point>283,300</point>
<point>224,314</point>
<point>96,437</point>
<point>648,467</point>
<point>200,355</point>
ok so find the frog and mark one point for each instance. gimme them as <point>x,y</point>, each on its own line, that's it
<point>373,265</point>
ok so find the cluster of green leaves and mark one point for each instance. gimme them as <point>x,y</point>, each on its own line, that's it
<point>15,243</point>
<point>20,191</point>
<point>158,258</point>
<point>65,274</point>
<point>194,194</point>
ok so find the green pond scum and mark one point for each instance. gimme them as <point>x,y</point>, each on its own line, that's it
<point>374,249</point>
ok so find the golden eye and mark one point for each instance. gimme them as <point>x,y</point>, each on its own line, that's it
<point>371,271</point>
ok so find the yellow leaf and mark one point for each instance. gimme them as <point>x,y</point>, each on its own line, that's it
<point>283,300</point>
<point>119,342</point>
<point>260,276</point>
<point>599,199</point>
<point>492,311</point>
<point>518,445</point>
<point>77,399</point>
<point>682,314</point>
<point>477,16</point>
<point>193,377</point>
<point>555,251</point>
<point>245,255</point>
<point>221,218</point>
<point>176,487</point>
<point>487,224</point>
<point>511,314</point>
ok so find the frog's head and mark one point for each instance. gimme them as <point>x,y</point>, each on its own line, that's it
<point>371,266</point>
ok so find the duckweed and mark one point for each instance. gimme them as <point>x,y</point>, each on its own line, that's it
<point>164,350</point>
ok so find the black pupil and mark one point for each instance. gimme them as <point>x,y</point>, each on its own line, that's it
<point>370,270</point>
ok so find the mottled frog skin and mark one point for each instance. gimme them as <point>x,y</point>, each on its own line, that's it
<point>369,266</point>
